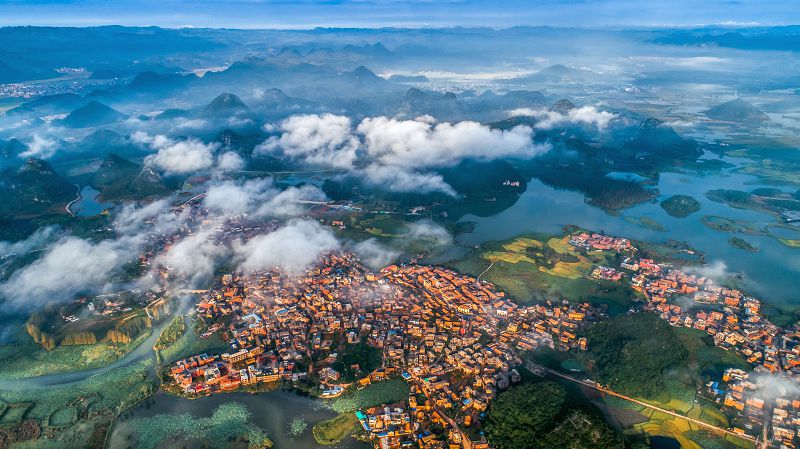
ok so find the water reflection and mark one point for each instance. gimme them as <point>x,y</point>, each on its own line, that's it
<point>769,273</point>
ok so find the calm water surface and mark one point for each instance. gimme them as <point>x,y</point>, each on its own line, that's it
<point>88,205</point>
<point>770,273</point>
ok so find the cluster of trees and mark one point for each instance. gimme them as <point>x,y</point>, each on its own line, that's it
<point>632,353</point>
<point>79,338</point>
<point>33,327</point>
<point>547,257</point>
<point>122,333</point>
<point>171,333</point>
<point>130,329</point>
<point>600,190</point>
<point>540,416</point>
<point>357,359</point>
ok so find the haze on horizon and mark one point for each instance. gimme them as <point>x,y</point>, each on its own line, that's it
<point>398,13</point>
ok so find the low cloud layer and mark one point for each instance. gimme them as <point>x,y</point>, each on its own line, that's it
<point>36,241</point>
<point>186,156</point>
<point>584,116</point>
<point>405,179</point>
<point>195,257</point>
<point>70,267</point>
<point>182,157</point>
<point>41,147</point>
<point>259,198</point>
<point>292,248</point>
<point>324,140</point>
<point>422,143</point>
<point>374,254</point>
<point>428,230</point>
<point>399,155</point>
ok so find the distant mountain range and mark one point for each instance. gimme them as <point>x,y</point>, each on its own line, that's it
<point>738,111</point>
<point>92,114</point>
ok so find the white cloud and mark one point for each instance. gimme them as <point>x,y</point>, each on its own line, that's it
<point>405,180</point>
<point>230,161</point>
<point>374,254</point>
<point>260,198</point>
<point>423,144</point>
<point>586,115</point>
<point>324,140</point>
<point>132,219</point>
<point>428,230</point>
<point>195,257</point>
<point>156,142</point>
<point>184,123</point>
<point>716,270</point>
<point>70,267</point>
<point>400,153</point>
<point>35,241</point>
<point>292,248</point>
<point>182,157</point>
<point>41,147</point>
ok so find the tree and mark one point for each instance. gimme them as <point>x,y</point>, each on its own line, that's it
<point>581,430</point>
<point>633,352</point>
<point>48,342</point>
<point>79,338</point>
<point>538,416</point>
<point>521,415</point>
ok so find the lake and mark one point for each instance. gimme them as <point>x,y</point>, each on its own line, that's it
<point>770,274</point>
<point>272,411</point>
<point>88,205</point>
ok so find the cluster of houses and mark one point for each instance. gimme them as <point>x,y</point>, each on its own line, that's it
<point>454,338</point>
<point>457,339</point>
<point>763,401</point>
<point>735,322</point>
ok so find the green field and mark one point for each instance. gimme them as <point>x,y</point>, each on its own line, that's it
<point>190,344</point>
<point>534,267</point>
<point>28,360</point>
<point>334,430</point>
<point>384,392</point>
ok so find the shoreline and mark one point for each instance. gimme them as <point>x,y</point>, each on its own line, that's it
<point>77,198</point>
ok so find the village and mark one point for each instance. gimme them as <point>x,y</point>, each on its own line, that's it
<point>458,341</point>
<point>734,320</point>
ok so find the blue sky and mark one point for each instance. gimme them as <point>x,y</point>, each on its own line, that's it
<point>412,13</point>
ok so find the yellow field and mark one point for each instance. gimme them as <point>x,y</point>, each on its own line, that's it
<point>560,245</point>
<point>501,256</point>
<point>574,270</point>
<point>521,244</point>
<point>672,428</point>
<point>516,253</point>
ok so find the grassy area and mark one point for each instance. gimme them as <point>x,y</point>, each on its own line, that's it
<point>791,243</point>
<point>29,359</point>
<point>334,430</point>
<point>384,392</point>
<point>724,224</point>
<point>646,222</point>
<point>171,333</point>
<point>535,267</point>
<point>110,391</point>
<point>99,397</point>
<point>189,344</point>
